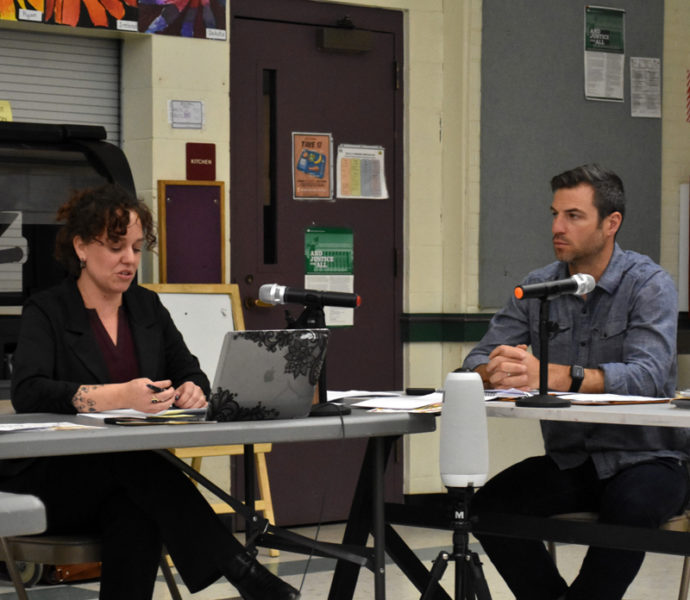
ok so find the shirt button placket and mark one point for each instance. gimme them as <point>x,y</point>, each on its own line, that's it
<point>583,336</point>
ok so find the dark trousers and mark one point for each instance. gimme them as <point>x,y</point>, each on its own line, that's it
<point>646,494</point>
<point>136,502</point>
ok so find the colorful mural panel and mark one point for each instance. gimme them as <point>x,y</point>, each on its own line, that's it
<point>186,18</point>
<point>90,13</point>
<point>27,10</point>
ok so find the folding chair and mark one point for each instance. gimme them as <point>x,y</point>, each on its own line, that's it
<point>677,523</point>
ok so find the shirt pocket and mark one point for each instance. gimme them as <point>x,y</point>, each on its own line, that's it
<point>608,339</point>
<point>561,331</point>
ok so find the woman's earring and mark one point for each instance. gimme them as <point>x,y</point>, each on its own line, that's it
<point>82,263</point>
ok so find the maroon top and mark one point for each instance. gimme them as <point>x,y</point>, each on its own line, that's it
<point>121,359</point>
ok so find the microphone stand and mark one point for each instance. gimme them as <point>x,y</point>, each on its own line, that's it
<point>312,317</point>
<point>543,399</point>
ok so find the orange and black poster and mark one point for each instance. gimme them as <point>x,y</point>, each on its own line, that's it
<point>312,166</point>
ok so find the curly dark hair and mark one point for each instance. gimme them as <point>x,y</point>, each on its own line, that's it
<point>93,212</point>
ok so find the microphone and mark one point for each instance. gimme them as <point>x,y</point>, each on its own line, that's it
<point>272,293</point>
<point>579,284</point>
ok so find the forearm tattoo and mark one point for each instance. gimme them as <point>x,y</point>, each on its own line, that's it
<point>81,400</point>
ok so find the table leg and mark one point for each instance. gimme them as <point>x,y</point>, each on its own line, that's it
<point>379,522</point>
<point>291,541</point>
<point>249,484</point>
<point>361,519</point>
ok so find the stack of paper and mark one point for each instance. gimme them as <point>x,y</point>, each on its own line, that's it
<point>391,401</point>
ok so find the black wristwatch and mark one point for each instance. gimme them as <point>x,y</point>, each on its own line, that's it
<point>577,374</point>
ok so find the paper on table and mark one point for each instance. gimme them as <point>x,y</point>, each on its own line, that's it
<point>332,396</point>
<point>10,427</point>
<point>506,393</point>
<point>401,402</point>
<point>130,412</point>
<point>512,394</point>
<point>612,399</point>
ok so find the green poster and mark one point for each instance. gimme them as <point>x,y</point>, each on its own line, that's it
<point>328,251</point>
<point>604,29</point>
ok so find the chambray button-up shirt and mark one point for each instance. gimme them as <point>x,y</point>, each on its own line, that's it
<point>626,327</point>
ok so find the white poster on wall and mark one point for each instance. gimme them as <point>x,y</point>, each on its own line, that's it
<point>604,53</point>
<point>645,87</point>
<point>361,172</point>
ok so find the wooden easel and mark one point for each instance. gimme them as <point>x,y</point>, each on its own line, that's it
<point>220,307</point>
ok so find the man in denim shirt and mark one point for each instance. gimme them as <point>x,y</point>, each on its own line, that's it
<point>620,338</point>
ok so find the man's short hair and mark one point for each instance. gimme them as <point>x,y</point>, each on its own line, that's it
<point>609,195</point>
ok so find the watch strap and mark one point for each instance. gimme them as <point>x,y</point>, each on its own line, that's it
<point>577,374</point>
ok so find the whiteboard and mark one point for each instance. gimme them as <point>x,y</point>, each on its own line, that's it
<point>203,321</point>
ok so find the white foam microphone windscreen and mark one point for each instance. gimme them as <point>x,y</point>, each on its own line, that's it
<point>464,452</point>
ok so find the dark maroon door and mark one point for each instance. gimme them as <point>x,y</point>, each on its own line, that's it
<point>286,79</point>
<point>281,82</point>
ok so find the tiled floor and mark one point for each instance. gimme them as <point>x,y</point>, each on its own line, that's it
<point>658,580</point>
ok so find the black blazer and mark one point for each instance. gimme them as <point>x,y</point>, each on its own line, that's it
<point>57,351</point>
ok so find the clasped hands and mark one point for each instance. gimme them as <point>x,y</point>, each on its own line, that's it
<point>187,395</point>
<point>512,367</point>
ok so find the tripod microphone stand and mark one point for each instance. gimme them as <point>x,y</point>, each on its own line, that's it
<point>464,465</point>
<point>470,583</point>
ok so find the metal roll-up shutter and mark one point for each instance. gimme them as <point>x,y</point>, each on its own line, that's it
<point>61,79</point>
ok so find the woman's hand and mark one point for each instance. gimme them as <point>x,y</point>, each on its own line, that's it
<point>144,396</point>
<point>139,394</point>
<point>190,395</point>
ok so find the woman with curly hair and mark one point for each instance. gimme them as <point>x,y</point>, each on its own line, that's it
<point>99,342</point>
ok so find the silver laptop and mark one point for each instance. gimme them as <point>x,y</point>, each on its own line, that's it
<point>267,374</point>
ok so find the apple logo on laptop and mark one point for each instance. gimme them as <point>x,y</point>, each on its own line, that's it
<point>269,375</point>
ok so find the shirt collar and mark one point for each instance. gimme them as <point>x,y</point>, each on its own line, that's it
<point>611,277</point>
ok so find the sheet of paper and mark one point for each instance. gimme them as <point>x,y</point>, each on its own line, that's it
<point>130,412</point>
<point>506,393</point>
<point>10,427</point>
<point>611,399</point>
<point>332,396</point>
<point>428,409</point>
<point>604,76</point>
<point>361,172</point>
<point>645,87</point>
<point>401,402</point>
